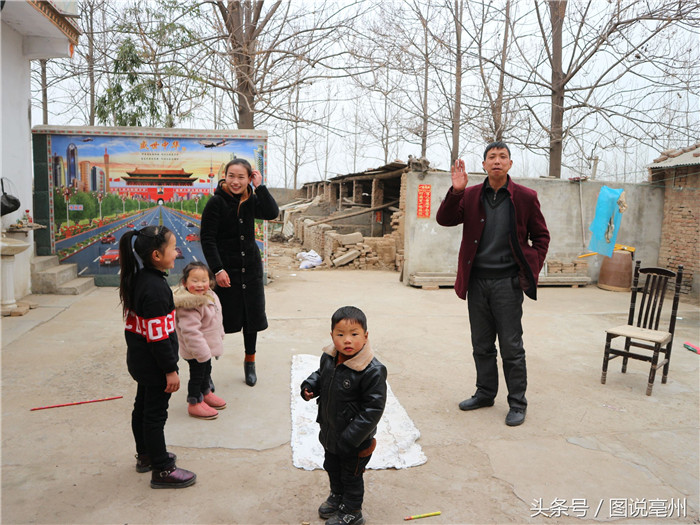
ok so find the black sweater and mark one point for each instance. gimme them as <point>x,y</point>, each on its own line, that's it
<point>151,340</point>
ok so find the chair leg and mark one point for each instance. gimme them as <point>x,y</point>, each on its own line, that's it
<point>652,372</point>
<point>606,358</point>
<point>667,351</point>
<point>625,358</point>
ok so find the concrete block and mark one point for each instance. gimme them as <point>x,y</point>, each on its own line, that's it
<point>49,280</point>
<point>346,258</point>
<point>76,286</point>
<point>350,238</point>
<point>44,262</point>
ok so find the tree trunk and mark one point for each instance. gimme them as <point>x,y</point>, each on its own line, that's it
<point>386,122</point>
<point>44,94</point>
<point>90,58</point>
<point>242,20</point>
<point>296,137</point>
<point>454,153</point>
<point>498,126</point>
<point>246,106</point>
<point>557,11</point>
<point>426,78</point>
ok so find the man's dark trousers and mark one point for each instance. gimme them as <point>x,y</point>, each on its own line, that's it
<point>496,309</point>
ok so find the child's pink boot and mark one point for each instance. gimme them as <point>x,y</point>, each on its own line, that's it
<point>202,411</point>
<point>214,401</point>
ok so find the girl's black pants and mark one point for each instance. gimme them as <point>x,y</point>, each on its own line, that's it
<point>148,424</point>
<point>199,384</point>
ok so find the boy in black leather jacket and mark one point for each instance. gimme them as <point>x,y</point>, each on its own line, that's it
<point>350,385</point>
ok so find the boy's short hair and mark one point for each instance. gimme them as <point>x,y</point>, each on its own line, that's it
<point>499,144</point>
<point>349,313</point>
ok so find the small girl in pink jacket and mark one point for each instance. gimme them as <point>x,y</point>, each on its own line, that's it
<point>200,332</point>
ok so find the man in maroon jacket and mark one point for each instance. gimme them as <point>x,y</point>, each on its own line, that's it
<point>504,244</point>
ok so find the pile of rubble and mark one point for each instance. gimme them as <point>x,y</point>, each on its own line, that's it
<point>361,252</point>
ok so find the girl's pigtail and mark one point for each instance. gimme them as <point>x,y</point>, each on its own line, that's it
<point>148,239</point>
<point>129,267</point>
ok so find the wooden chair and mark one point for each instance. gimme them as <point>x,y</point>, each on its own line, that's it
<point>643,332</point>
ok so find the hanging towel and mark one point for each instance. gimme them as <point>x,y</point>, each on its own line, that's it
<point>606,223</point>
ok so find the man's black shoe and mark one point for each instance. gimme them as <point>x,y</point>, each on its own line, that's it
<point>475,402</point>
<point>515,417</point>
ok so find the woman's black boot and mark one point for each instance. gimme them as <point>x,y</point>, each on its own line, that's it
<point>249,369</point>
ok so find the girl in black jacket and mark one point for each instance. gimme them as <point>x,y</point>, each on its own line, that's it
<point>228,243</point>
<point>152,349</point>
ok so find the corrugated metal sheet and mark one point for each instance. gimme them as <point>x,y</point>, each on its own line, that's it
<point>387,168</point>
<point>689,156</point>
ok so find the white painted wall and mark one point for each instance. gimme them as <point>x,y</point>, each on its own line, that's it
<point>429,247</point>
<point>15,149</point>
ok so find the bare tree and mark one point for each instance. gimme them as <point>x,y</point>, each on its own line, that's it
<point>494,101</point>
<point>596,62</point>
<point>457,15</point>
<point>272,49</point>
<point>68,86</point>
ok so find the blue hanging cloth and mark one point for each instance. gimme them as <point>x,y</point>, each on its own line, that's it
<point>606,223</point>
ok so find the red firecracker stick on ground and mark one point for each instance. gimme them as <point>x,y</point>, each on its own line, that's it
<point>77,403</point>
<point>691,347</point>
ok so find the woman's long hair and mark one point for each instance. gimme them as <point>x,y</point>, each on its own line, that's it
<point>148,240</point>
<point>242,162</point>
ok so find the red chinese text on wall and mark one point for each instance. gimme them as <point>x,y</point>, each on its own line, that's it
<point>424,192</point>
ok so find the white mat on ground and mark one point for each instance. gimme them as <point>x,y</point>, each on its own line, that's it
<point>396,433</point>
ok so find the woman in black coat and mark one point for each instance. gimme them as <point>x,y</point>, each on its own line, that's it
<point>228,243</point>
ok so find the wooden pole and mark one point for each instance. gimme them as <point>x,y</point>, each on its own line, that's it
<point>354,213</point>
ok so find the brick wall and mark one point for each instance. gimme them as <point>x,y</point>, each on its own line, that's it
<point>680,229</point>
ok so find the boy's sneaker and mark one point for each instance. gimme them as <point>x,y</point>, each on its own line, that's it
<point>214,401</point>
<point>202,411</point>
<point>143,462</point>
<point>330,506</point>
<point>344,516</point>
<point>172,478</point>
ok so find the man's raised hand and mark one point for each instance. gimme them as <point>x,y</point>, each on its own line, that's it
<point>459,176</point>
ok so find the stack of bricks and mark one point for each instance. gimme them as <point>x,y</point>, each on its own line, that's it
<point>398,261</point>
<point>311,237</point>
<point>397,226</point>
<point>367,259</point>
<point>359,252</point>
<point>314,237</point>
<point>385,250</point>
<point>681,225</point>
<point>577,267</point>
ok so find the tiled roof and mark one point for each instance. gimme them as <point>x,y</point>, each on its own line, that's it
<point>672,158</point>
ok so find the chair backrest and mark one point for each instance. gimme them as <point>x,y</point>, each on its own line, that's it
<point>653,293</point>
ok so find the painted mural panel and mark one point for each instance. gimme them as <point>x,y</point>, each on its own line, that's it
<point>102,182</point>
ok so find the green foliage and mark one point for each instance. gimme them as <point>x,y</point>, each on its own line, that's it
<point>112,205</point>
<point>131,98</point>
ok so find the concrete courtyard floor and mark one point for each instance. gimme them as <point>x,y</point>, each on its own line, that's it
<point>586,451</point>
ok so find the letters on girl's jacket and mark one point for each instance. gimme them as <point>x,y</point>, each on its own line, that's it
<point>153,329</point>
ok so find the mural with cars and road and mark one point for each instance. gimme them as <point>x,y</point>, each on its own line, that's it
<point>92,184</point>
